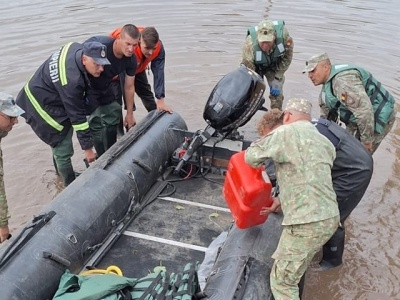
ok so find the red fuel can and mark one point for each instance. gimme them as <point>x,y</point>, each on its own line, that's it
<point>246,191</point>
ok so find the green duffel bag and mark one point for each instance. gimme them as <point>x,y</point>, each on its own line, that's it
<point>160,285</point>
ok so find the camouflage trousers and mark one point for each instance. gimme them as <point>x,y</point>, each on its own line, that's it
<point>276,101</point>
<point>4,215</point>
<point>297,246</point>
<point>378,137</point>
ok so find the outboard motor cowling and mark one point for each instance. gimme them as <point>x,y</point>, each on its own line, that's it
<point>232,103</point>
<point>234,100</point>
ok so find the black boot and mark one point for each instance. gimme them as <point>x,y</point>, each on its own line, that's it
<point>67,175</point>
<point>98,142</point>
<point>55,165</point>
<point>333,250</point>
<point>110,136</point>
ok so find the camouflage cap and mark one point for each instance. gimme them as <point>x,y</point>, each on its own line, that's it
<point>8,106</point>
<point>300,105</point>
<point>313,61</point>
<point>265,31</point>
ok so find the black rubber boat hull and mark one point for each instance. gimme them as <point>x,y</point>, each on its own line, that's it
<point>243,265</point>
<point>88,209</point>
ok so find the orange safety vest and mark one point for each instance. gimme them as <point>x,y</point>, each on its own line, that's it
<point>142,61</point>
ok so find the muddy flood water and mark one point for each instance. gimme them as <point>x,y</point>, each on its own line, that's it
<point>203,41</point>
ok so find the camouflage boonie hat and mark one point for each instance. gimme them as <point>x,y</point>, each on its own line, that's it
<point>265,31</point>
<point>300,105</point>
<point>313,61</point>
<point>8,106</point>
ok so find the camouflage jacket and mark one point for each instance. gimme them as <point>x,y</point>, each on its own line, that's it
<point>4,216</point>
<point>364,102</point>
<point>283,62</point>
<point>303,159</point>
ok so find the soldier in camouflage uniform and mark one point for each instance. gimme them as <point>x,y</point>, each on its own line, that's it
<point>303,159</point>
<point>268,50</point>
<point>351,175</point>
<point>9,112</point>
<point>354,96</point>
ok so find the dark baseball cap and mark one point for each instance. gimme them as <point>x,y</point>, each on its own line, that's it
<point>97,51</point>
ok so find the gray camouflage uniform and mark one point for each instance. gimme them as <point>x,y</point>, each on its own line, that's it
<point>4,216</point>
<point>8,109</point>
<point>303,159</point>
<point>358,102</point>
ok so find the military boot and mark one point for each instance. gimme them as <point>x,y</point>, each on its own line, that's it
<point>333,250</point>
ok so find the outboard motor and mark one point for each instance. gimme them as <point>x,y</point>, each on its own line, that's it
<point>234,100</point>
<point>232,103</point>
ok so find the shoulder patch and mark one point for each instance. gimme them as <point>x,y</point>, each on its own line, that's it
<point>289,42</point>
<point>343,97</point>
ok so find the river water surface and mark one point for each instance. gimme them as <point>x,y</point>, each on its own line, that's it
<point>203,40</point>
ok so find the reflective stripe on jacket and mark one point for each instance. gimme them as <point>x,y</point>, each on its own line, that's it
<point>53,99</point>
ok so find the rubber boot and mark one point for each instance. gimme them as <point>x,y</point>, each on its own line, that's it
<point>67,175</point>
<point>98,142</point>
<point>110,136</point>
<point>332,251</point>
<point>121,131</point>
<point>301,285</point>
<point>55,165</point>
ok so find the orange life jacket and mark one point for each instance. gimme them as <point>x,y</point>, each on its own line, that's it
<point>142,61</point>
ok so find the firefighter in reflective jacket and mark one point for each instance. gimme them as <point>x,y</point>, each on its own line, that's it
<point>149,51</point>
<point>53,100</point>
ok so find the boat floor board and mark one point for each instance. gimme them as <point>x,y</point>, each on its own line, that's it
<point>181,222</point>
<point>201,190</point>
<point>174,229</point>
<point>136,257</point>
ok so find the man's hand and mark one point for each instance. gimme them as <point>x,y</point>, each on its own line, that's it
<point>275,87</point>
<point>274,208</point>
<point>90,155</point>
<point>4,233</point>
<point>162,106</point>
<point>129,121</point>
<point>368,146</point>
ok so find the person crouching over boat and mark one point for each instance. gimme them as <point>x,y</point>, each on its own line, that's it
<point>351,173</point>
<point>105,112</point>
<point>149,53</point>
<point>303,160</point>
<point>9,113</point>
<point>54,102</point>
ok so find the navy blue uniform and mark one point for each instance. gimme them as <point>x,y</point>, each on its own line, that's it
<point>102,90</point>
<point>53,99</point>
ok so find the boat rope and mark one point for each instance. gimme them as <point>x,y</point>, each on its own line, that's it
<point>110,270</point>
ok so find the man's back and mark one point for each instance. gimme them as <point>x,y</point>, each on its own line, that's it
<point>303,159</point>
<point>353,165</point>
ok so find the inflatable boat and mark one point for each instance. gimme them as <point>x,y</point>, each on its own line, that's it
<point>154,199</point>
